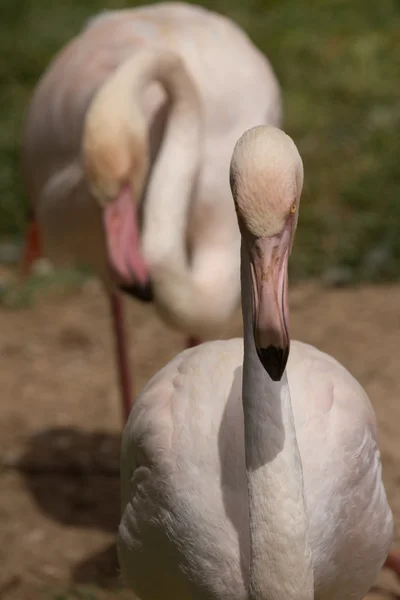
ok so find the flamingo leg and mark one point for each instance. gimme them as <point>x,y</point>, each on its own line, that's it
<point>32,249</point>
<point>192,341</point>
<point>393,562</point>
<point>121,349</point>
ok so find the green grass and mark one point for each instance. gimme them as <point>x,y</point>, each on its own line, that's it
<point>24,294</point>
<point>74,594</point>
<point>88,593</point>
<point>338,64</point>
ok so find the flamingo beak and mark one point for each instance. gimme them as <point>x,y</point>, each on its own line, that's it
<point>269,268</point>
<point>123,245</point>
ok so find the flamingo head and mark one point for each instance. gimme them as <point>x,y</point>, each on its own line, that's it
<point>266,180</point>
<point>115,159</point>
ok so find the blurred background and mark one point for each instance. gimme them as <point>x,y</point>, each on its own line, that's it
<point>338,65</point>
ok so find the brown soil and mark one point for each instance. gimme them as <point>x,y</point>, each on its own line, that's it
<point>60,424</point>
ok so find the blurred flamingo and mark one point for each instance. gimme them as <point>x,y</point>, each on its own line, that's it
<point>126,151</point>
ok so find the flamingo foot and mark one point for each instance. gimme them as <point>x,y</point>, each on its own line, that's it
<point>32,250</point>
<point>393,562</point>
<point>192,342</point>
<point>121,351</point>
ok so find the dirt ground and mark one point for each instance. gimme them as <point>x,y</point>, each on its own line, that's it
<point>60,425</point>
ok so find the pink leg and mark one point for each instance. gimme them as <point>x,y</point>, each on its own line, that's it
<point>192,341</point>
<point>32,250</point>
<point>121,349</point>
<point>393,562</point>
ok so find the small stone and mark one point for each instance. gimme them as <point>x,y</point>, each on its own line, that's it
<point>42,267</point>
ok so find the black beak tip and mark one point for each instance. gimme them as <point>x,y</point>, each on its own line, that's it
<point>143,292</point>
<point>274,360</point>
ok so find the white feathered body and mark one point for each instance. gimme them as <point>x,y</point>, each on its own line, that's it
<point>184,528</point>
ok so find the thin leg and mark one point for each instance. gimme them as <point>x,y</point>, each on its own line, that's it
<point>32,250</point>
<point>192,341</point>
<point>121,348</point>
<point>393,562</point>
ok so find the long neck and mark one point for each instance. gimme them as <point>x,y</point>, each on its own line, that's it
<point>169,194</point>
<point>280,555</point>
<point>185,300</point>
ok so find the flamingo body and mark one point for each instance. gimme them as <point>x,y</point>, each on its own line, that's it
<point>185,509</point>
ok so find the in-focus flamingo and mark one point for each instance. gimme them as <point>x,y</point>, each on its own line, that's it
<point>241,478</point>
<point>126,138</point>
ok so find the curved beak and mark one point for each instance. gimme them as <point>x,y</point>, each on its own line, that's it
<point>269,264</point>
<point>123,242</point>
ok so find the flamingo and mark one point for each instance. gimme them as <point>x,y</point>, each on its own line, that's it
<point>248,472</point>
<point>125,139</point>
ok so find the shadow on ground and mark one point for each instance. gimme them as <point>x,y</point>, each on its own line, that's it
<point>102,568</point>
<point>73,477</point>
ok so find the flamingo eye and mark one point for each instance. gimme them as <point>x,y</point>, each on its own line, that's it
<point>293,208</point>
